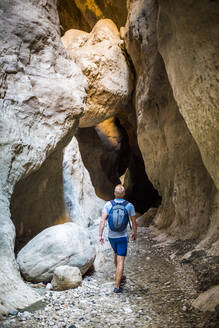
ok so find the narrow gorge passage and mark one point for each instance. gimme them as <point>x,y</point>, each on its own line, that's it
<point>95,93</point>
<point>157,294</point>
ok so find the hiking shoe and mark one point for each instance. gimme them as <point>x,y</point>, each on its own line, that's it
<point>117,290</point>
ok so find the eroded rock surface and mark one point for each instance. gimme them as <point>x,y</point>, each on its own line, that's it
<point>81,202</point>
<point>42,98</point>
<point>102,60</point>
<point>109,157</point>
<point>146,219</point>
<point>172,158</point>
<point>208,300</point>
<point>190,52</point>
<point>66,244</point>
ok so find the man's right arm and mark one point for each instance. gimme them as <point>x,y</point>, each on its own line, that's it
<point>101,227</point>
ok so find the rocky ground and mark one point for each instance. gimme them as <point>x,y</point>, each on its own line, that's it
<point>158,294</point>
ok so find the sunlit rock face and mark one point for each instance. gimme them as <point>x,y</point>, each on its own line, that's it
<point>172,158</point>
<point>42,97</point>
<point>101,58</point>
<point>84,14</point>
<point>81,203</point>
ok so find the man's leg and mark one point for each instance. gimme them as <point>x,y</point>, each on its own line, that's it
<point>119,269</point>
<point>115,259</point>
<point>119,246</point>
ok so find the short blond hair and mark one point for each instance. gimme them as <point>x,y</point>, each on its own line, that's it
<point>119,190</point>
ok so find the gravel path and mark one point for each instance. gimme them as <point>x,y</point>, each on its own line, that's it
<point>157,294</point>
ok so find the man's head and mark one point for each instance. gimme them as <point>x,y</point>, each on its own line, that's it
<point>119,191</point>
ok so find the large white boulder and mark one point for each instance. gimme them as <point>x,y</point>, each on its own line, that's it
<point>63,244</point>
<point>66,277</point>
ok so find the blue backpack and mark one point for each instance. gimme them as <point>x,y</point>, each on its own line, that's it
<point>118,216</point>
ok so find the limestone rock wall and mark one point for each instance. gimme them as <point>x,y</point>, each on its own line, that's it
<point>172,158</point>
<point>188,37</point>
<point>81,203</point>
<point>42,97</point>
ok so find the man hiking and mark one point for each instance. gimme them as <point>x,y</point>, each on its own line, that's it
<point>117,212</point>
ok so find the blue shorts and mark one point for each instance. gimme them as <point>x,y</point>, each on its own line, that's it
<point>119,245</point>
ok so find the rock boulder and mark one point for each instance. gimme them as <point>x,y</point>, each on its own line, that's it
<point>101,58</point>
<point>64,244</point>
<point>207,301</point>
<point>66,277</point>
<point>146,219</point>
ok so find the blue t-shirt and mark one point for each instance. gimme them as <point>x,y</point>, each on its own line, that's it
<point>131,211</point>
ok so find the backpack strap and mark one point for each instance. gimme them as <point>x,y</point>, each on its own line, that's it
<point>113,203</point>
<point>124,204</point>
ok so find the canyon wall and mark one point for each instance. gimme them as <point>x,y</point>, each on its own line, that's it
<point>172,155</point>
<point>188,37</point>
<point>42,97</point>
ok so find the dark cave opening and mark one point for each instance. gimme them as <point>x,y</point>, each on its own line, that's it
<point>111,159</point>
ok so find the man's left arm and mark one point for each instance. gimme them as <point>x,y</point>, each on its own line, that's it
<point>134,223</point>
<point>134,226</point>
